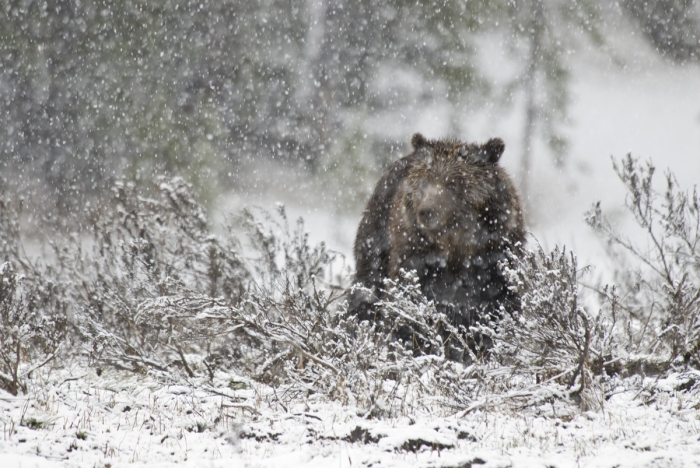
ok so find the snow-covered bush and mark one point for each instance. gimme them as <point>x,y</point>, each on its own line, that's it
<point>143,250</point>
<point>554,340</point>
<point>32,326</point>
<point>299,339</point>
<point>657,298</point>
<point>33,307</point>
<point>150,288</point>
<point>314,347</point>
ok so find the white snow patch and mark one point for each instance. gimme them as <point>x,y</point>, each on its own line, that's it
<point>120,419</point>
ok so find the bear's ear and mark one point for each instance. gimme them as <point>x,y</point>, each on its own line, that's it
<point>419,141</point>
<point>493,149</point>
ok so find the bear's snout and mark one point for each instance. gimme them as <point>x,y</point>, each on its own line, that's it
<point>433,207</point>
<point>428,218</point>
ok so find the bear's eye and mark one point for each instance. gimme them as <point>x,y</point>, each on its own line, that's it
<point>451,186</point>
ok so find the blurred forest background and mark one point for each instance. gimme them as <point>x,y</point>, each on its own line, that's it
<point>221,91</point>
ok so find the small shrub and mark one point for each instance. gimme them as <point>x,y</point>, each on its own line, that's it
<point>554,339</point>
<point>659,297</point>
<point>32,327</point>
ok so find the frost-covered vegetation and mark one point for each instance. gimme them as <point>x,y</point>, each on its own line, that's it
<point>151,326</point>
<point>253,316</point>
<point>150,289</point>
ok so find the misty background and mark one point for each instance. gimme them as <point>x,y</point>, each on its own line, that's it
<point>305,102</point>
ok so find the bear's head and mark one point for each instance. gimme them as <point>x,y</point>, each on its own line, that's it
<point>453,185</point>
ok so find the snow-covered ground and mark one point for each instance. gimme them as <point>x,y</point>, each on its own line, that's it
<point>76,418</point>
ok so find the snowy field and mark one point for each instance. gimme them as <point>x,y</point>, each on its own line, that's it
<point>75,417</point>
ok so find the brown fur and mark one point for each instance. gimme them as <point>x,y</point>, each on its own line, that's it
<point>450,212</point>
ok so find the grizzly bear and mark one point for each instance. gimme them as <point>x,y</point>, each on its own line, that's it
<point>451,213</point>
